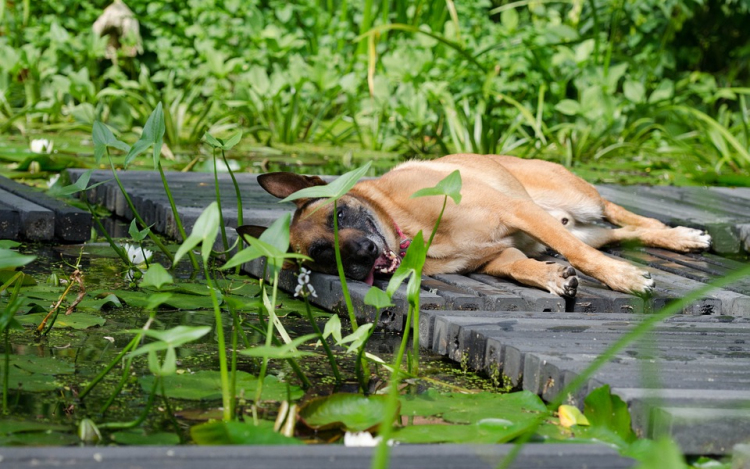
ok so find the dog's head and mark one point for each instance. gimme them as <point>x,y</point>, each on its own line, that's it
<point>368,238</point>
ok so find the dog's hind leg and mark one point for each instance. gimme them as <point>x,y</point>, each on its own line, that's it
<point>679,239</point>
<point>620,216</point>
<point>511,263</point>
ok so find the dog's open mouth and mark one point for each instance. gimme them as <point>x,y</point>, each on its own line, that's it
<point>386,263</point>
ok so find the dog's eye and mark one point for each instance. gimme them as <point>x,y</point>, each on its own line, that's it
<point>340,214</point>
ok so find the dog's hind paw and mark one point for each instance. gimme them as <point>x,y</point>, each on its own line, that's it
<point>564,283</point>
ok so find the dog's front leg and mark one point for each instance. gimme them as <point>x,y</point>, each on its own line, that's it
<point>559,279</point>
<point>528,217</point>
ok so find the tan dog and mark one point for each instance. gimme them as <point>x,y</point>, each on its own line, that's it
<point>510,210</point>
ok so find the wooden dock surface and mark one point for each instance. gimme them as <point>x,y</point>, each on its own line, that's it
<point>689,378</point>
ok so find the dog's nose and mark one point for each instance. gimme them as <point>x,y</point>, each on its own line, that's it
<point>366,248</point>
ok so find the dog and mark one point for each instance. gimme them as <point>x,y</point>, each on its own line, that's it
<point>511,210</point>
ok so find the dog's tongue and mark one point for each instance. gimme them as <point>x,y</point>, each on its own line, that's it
<point>387,263</point>
<point>370,277</point>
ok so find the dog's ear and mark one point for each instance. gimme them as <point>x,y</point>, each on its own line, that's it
<point>251,230</point>
<point>284,184</point>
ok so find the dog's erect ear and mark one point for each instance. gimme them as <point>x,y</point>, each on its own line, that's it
<point>284,184</point>
<point>251,230</point>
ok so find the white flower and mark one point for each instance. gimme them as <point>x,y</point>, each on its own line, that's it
<point>362,439</point>
<point>53,180</point>
<point>303,287</point>
<point>136,254</point>
<point>41,145</point>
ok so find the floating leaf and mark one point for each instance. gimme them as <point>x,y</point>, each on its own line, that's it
<point>140,438</point>
<point>42,365</point>
<point>607,411</point>
<point>352,412</point>
<point>72,321</point>
<point>30,382</point>
<point>21,426</point>
<point>239,433</point>
<point>484,431</point>
<point>282,351</point>
<point>11,259</point>
<point>206,385</point>
<point>156,276</point>
<point>471,408</point>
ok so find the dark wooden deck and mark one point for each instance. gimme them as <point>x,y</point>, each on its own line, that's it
<point>690,378</point>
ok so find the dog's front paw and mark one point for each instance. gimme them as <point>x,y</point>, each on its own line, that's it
<point>627,278</point>
<point>689,239</point>
<point>564,282</point>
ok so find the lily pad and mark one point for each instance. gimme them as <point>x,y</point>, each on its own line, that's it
<point>484,431</point>
<point>20,426</point>
<point>187,301</point>
<point>352,412</point>
<point>39,439</point>
<point>30,382</point>
<point>239,433</point>
<point>471,408</point>
<point>42,365</point>
<point>139,437</point>
<point>73,321</point>
<point>206,385</point>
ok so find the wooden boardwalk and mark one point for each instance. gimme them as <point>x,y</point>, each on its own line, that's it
<point>690,378</point>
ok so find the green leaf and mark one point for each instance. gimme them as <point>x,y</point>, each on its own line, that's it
<point>634,91</point>
<point>377,298</point>
<point>169,338</point>
<point>471,408</point>
<point>103,138</point>
<point>8,244</point>
<point>334,190</point>
<point>141,438</point>
<point>28,382</point>
<point>156,276</point>
<point>80,185</point>
<point>42,365</point>
<point>77,321</point>
<point>485,431</point>
<point>663,92</point>
<point>135,233</point>
<point>153,134</point>
<point>239,433</point>
<point>206,385</point>
<point>568,107</point>
<point>272,244</point>
<point>333,327</point>
<point>509,19</point>
<point>352,412</point>
<point>282,351</point>
<point>205,230</point>
<point>11,259</point>
<point>450,186</point>
<point>411,265</point>
<point>660,454</point>
<point>212,141</point>
<point>607,411</point>
<point>570,415</point>
<point>232,141</point>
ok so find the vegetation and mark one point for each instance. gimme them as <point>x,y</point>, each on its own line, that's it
<point>585,82</point>
<point>645,85</point>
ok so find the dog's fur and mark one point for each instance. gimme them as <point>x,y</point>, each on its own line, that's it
<point>510,210</point>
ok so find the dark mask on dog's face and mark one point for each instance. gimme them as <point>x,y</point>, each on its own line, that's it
<point>363,241</point>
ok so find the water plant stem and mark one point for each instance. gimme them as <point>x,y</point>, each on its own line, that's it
<point>223,229</point>
<point>137,422</point>
<point>137,216</point>
<point>223,371</point>
<point>269,332</point>
<point>176,215</point>
<point>340,269</point>
<point>326,347</point>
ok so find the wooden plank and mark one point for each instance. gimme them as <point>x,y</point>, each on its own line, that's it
<point>36,222</point>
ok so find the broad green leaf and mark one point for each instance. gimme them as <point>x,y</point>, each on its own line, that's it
<point>282,351</point>
<point>411,264</point>
<point>333,327</point>
<point>96,304</point>
<point>509,19</point>
<point>211,140</point>
<point>42,365</point>
<point>357,338</point>
<point>205,230</point>
<point>22,426</point>
<point>135,233</point>
<point>153,134</point>
<point>40,439</point>
<point>232,141</point>
<point>174,337</point>
<point>485,431</point>
<point>239,433</point>
<point>334,190</point>
<point>81,184</point>
<point>450,186</point>
<point>72,321</point>
<point>471,408</point>
<point>8,244</point>
<point>607,411</point>
<point>352,412</point>
<point>568,107</point>
<point>377,298</point>
<point>10,259</point>
<point>28,382</point>
<point>103,138</point>
<point>663,92</point>
<point>634,91</point>
<point>660,454</point>
<point>156,276</point>
<point>206,385</point>
<point>140,438</point>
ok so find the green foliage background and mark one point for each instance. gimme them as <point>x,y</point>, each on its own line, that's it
<point>577,81</point>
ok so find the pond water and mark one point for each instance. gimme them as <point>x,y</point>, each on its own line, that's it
<point>49,372</point>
